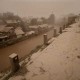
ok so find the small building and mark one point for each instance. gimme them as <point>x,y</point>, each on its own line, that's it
<point>39,28</point>
<point>19,32</point>
<point>7,31</point>
<point>30,33</point>
<point>3,38</point>
<point>13,23</point>
<point>34,28</point>
<point>44,26</point>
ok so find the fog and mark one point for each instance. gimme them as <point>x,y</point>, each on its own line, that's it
<point>39,8</point>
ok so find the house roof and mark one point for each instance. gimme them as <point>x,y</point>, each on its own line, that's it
<point>19,31</point>
<point>1,37</point>
<point>35,27</point>
<point>6,29</point>
<point>31,32</point>
<point>11,21</point>
<point>43,25</point>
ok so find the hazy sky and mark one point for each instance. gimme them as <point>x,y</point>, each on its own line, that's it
<point>38,8</point>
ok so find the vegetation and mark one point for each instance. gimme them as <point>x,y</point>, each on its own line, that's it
<point>34,21</point>
<point>51,19</point>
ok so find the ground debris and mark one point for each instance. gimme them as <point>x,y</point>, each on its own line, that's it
<point>1,75</point>
<point>34,75</point>
<point>78,56</point>
<point>42,70</point>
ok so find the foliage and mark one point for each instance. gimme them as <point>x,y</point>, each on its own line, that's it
<point>34,21</point>
<point>51,19</point>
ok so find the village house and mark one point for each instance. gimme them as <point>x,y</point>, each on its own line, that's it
<point>43,27</point>
<point>10,21</point>
<point>9,31</point>
<point>3,38</point>
<point>34,28</point>
<point>6,33</point>
<point>39,28</point>
<point>30,33</point>
<point>19,32</point>
<point>13,23</point>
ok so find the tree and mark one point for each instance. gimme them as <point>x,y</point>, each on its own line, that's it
<point>33,21</point>
<point>71,18</point>
<point>44,20</point>
<point>51,19</point>
<point>8,16</point>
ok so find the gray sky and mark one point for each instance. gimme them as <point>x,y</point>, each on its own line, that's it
<point>38,8</point>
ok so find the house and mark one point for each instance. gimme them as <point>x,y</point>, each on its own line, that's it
<point>7,31</point>
<point>30,33</point>
<point>39,28</point>
<point>43,27</point>
<point>19,32</point>
<point>34,28</point>
<point>3,38</point>
<point>12,23</point>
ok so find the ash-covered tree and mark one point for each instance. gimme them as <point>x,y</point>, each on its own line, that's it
<point>44,20</point>
<point>51,19</point>
<point>34,21</point>
<point>71,18</point>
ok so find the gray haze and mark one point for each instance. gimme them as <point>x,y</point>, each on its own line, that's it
<point>38,8</point>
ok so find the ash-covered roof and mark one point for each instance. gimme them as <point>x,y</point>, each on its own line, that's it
<point>19,31</point>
